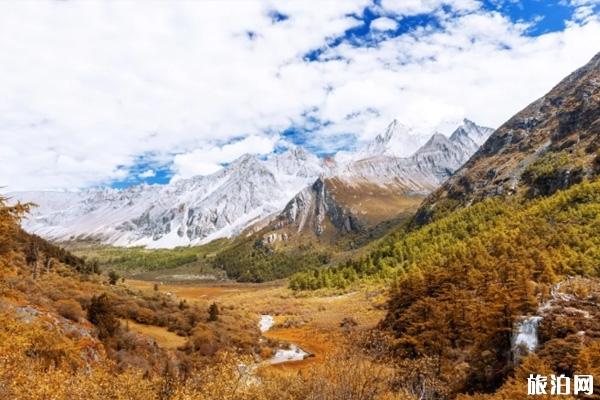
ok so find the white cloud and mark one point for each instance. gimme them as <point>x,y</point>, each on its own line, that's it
<point>89,87</point>
<point>384,24</point>
<point>149,173</point>
<point>481,66</point>
<point>209,159</point>
<point>413,7</point>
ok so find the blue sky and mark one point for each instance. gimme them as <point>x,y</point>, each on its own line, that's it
<point>552,14</point>
<point>91,98</point>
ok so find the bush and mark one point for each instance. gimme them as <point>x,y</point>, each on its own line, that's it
<point>69,309</point>
<point>113,277</point>
<point>213,312</point>
<point>102,315</point>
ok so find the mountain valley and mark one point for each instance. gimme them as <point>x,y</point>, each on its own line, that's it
<point>246,192</point>
<point>457,272</point>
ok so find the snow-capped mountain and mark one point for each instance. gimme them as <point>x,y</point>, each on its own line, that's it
<point>426,169</point>
<point>250,189</point>
<point>189,211</point>
<point>470,136</point>
<point>369,190</point>
<point>398,140</point>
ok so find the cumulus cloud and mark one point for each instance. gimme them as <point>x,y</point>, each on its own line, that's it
<point>384,24</point>
<point>209,159</point>
<point>414,7</point>
<point>87,89</point>
<point>149,173</point>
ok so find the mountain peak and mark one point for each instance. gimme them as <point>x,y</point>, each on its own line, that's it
<point>470,134</point>
<point>392,129</point>
<point>244,158</point>
<point>381,141</point>
<point>435,142</point>
<point>469,123</point>
<point>398,140</point>
<point>558,131</point>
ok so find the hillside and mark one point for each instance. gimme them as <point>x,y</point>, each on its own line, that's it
<point>550,145</point>
<point>461,285</point>
<point>509,246</point>
<point>64,330</point>
<point>67,332</point>
<point>359,201</point>
<point>376,186</point>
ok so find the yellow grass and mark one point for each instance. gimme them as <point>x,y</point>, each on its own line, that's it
<point>314,322</point>
<point>164,338</point>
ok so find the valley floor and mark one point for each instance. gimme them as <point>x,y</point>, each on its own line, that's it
<point>318,325</point>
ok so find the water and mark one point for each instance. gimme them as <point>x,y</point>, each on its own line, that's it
<point>294,353</point>
<point>266,322</point>
<point>526,335</point>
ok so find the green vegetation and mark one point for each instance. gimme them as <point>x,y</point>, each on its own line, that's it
<point>551,172</point>
<point>461,283</point>
<point>252,261</point>
<point>138,259</point>
<point>560,233</point>
<point>244,260</point>
<point>546,166</point>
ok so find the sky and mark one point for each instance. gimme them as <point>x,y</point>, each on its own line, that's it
<point>116,93</point>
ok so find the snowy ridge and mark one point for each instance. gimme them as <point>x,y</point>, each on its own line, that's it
<point>397,177</point>
<point>223,204</point>
<point>424,170</point>
<point>189,211</point>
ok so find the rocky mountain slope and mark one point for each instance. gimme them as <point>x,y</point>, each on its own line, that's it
<point>550,145</point>
<point>188,211</point>
<point>251,190</point>
<point>362,193</point>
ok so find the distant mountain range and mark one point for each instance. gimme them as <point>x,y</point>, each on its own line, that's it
<point>292,188</point>
<point>375,185</point>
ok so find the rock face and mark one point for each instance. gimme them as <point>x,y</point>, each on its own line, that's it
<point>364,192</point>
<point>550,145</point>
<point>313,207</point>
<point>251,190</point>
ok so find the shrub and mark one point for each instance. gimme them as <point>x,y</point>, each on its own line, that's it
<point>101,314</point>
<point>113,277</point>
<point>213,312</point>
<point>69,309</point>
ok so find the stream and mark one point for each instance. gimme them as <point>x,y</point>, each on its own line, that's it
<point>292,353</point>
<point>525,334</point>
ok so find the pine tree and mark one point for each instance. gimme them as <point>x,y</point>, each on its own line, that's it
<point>101,314</point>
